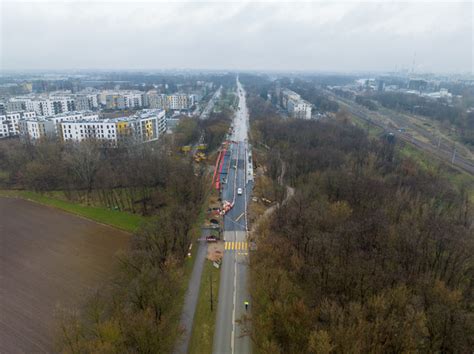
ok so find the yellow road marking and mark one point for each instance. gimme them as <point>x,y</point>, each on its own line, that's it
<point>236,245</point>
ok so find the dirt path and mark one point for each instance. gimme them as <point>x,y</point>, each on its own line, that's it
<point>48,258</point>
<point>290,192</point>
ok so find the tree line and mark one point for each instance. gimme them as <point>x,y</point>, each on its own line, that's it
<point>213,129</point>
<point>132,178</point>
<point>262,85</point>
<point>372,254</point>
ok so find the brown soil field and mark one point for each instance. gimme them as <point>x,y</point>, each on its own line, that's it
<point>48,258</point>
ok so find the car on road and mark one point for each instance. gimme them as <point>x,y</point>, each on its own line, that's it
<point>239,191</point>
<point>211,238</point>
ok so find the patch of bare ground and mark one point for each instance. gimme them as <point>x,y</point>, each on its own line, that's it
<point>48,259</point>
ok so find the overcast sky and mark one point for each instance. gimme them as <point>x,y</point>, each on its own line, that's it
<point>316,36</point>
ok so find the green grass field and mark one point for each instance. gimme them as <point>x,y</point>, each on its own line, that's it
<point>121,220</point>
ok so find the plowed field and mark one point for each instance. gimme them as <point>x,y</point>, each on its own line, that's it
<point>48,258</point>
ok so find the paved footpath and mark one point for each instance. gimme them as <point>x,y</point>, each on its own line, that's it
<point>191,298</point>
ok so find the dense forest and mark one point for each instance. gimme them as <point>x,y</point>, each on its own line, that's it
<point>314,95</point>
<point>130,179</point>
<point>372,254</point>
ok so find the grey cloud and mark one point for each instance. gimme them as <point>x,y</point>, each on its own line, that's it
<point>274,36</point>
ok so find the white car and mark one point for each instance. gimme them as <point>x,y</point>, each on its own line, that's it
<point>239,191</point>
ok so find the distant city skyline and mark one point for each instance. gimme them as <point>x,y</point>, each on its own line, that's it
<point>302,36</point>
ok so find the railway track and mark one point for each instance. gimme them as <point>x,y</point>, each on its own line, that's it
<point>438,149</point>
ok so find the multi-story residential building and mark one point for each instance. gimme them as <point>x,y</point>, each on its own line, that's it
<point>295,105</point>
<point>14,105</point>
<point>299,109</point>
<point>36,128</point>
<point>150,124</point>
<point>46,126</point>
<point>71,117</point>
<point>112,101</point>
<point>156,100</point>
<point>9,123</point>
<point>124,100</point>
<point>41,105</point>
<point>287,95</point>
<point>86,102</point>
<point>4,129</point>
<point>145,126</point>
<point>178,101</point>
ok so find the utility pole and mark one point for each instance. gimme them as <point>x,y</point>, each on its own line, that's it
<point>454,154</point>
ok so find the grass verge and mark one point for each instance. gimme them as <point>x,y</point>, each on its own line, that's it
<point>205,319</point>
<point>459,179</point>
<point>119,219</point>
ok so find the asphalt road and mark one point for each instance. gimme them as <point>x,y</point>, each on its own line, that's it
<point>230,334</point>
<point>210,105</point>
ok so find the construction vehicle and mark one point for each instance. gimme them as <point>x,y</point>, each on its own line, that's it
<point>199,156</point>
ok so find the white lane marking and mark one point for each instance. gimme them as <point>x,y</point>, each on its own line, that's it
<point>232,344</point>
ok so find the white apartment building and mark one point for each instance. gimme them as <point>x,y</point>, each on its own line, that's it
<point>4,129</point>
<point>146,125</point>
<point>299,109</point>
<point>295,105</point>
<point>9,123</point>
<point>80,130</point>
<point>43,106</point>
<point>36,128</point>
<point>71,117</point>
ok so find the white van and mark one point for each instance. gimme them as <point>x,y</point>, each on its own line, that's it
<point>239,191</point>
